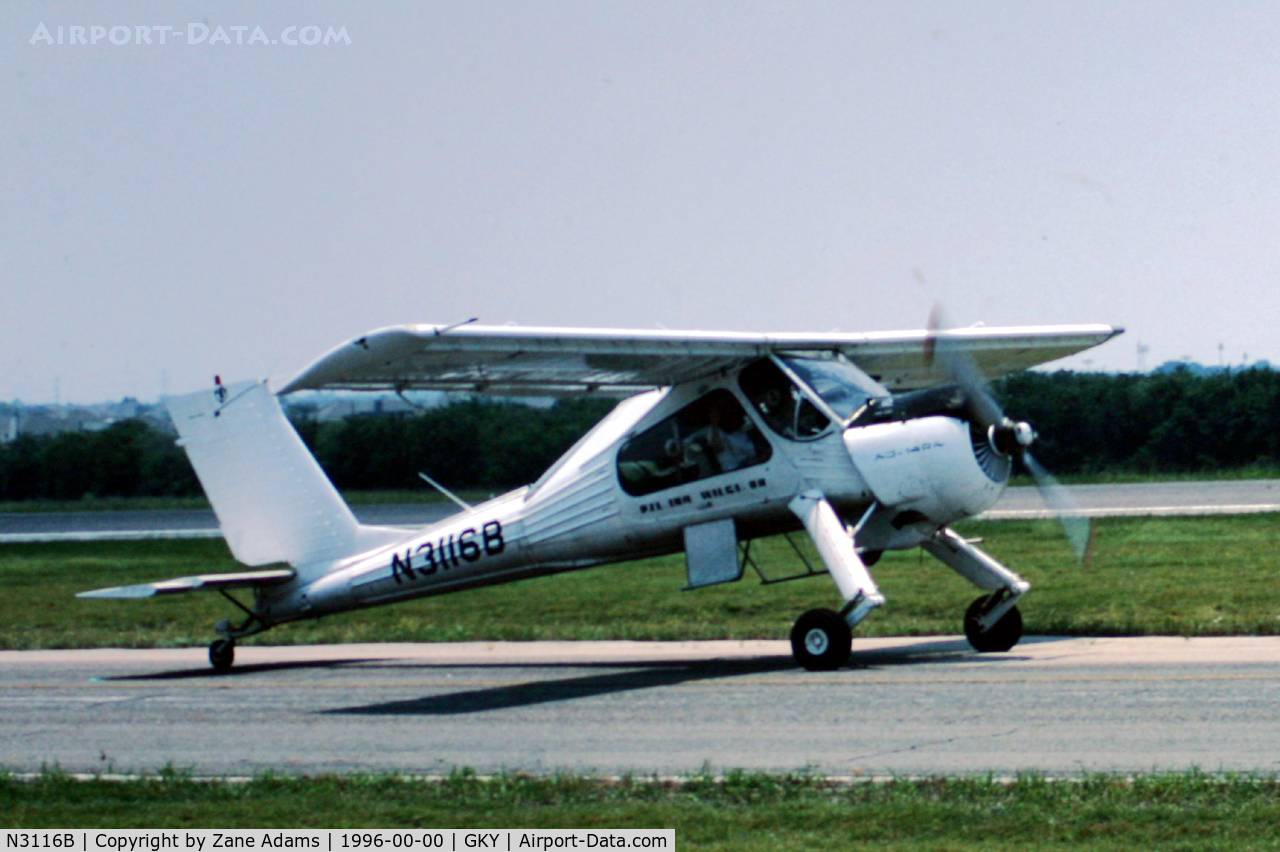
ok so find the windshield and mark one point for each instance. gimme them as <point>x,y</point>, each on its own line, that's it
<point>837,383</point>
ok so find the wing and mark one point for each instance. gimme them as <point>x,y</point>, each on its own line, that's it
<point>235,580</point>
<point>524,361</point>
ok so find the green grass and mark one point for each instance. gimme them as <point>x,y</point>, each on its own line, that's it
<point>742,811</point>
<point>1173,576</point>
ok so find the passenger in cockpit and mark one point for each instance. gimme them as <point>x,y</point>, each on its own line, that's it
<point>728,436</point>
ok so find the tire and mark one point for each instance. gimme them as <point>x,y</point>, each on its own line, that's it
<point>1002,636</point>
<point>821,641</point>
<point>222,655</point>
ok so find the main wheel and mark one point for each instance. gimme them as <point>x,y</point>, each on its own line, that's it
<point>222,654</point>
<point>821,640</point>
<point>1002,636</point>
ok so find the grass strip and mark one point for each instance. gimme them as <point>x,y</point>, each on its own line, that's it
<point>739,811</point>
<point>1202,576</point>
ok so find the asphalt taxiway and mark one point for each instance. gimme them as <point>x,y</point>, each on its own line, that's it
<point>904,706</point>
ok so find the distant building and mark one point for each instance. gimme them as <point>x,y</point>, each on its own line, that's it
<point>343,408</point>
<point>1197,369</point>
<point>18,419</point>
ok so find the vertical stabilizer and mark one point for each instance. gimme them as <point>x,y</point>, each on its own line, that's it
<point>273,501</point>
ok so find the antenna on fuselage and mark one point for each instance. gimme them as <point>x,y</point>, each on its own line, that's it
<point>445,491</point>
<point>444,329</point>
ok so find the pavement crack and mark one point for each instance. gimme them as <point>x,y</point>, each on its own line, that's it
<point>924,745</point>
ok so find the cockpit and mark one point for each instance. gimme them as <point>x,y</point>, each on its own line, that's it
<point>800,397</point>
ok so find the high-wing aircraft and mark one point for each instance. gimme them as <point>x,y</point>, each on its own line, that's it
<point>868,442</point>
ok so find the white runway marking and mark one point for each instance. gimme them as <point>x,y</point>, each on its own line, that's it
<point>1135,511</point>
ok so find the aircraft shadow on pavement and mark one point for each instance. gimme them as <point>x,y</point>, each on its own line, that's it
<point>642,676</point>
<point>244,669</point>
<point>545,691</point>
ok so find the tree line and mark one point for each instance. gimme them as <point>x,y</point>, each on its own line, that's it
<point>1177,422</point>
<point>469,444</point>
<point>1174,422</point>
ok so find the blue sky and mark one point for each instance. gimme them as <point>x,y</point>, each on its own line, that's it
<point>168,212</point>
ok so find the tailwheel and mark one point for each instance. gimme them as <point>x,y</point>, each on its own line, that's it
<point>1001,636</point>
<point>222,654</point>
<point>821,640</point>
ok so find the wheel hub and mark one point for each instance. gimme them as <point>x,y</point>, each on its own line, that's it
<point>816,642</point>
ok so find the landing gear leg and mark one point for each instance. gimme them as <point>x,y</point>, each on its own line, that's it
<point>992,622</point>
<point>821,640</point>
<point>222,654</point>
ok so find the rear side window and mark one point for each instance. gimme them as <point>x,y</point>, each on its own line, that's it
<point>708,437</point>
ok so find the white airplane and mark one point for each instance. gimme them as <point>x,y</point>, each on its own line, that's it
<point>869,442</point>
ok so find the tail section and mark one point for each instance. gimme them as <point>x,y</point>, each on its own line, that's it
<point>273,501</point>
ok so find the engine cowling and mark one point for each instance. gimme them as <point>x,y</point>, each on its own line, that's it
<point>937,466</point>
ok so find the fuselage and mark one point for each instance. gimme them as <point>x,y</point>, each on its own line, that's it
<point>740,446</point>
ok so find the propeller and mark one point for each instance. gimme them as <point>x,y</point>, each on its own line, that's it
<point>1007,436</point>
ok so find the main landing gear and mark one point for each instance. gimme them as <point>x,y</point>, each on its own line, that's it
<point>992,623</point>
<point>1001,635</point>
<point>821,640</point>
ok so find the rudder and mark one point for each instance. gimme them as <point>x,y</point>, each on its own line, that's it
<point>273,501</point>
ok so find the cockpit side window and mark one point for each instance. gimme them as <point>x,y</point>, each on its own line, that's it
<point>780,402</point>
<point>709,436</point>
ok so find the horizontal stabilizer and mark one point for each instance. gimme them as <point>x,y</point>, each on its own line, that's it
<point>235,580</point>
